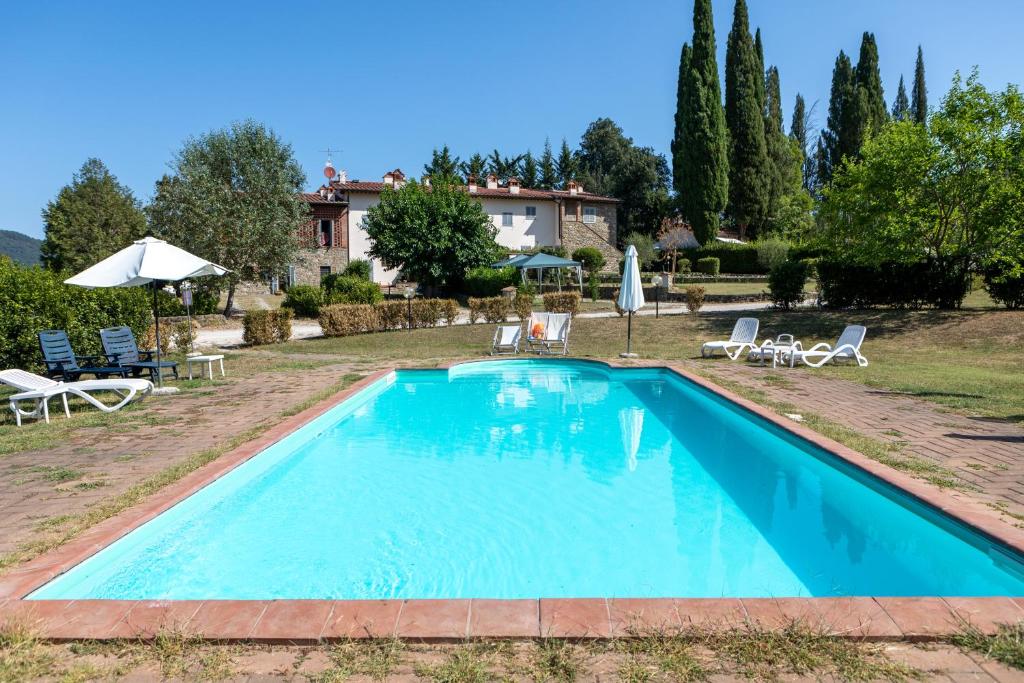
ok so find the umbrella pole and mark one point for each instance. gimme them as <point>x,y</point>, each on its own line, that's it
<point>156,318</point>
<point>629,332</point>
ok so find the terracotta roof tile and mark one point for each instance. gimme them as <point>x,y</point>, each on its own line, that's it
<point>503,192</point>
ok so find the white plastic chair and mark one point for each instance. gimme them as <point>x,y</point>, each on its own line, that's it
<point>743,338</point>
<point>847,348</point>
<point>506,340</point>
<point>41,389</point>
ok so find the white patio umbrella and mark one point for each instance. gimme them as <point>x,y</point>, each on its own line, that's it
<point>631,295</point>
<point>148,261</point>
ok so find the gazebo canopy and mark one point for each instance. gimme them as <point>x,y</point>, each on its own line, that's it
<point>539,260</point>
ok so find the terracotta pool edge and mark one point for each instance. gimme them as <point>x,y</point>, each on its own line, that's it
<point>313,621</point>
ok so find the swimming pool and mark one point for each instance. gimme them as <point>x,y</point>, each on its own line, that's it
<point>542,478</point>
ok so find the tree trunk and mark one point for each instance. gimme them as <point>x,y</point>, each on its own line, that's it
<point>231,299</point>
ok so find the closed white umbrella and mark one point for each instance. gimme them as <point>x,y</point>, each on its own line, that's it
<point>631,295</point>
<point>146,261</point>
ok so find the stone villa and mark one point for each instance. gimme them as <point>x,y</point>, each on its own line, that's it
<point>525,219</point>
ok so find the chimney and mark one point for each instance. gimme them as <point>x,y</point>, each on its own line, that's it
<point>492,181</point>
<point>426,181</point>
<point>399,178</point>
<point>323,193</point>
<point>389,179</point>
<point>342,176</point>
<point>513,185</point>
<point>574,188</point>
<point>471,181</point>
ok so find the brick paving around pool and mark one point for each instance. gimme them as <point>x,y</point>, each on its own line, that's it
<point>310,621</point>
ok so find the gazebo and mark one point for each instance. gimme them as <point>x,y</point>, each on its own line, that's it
<point>540,262</point>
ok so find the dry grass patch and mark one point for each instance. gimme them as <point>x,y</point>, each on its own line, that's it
<point>375,658</point>
<point>1006,645</point>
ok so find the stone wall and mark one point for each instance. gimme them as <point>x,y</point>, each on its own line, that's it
<point>601,234</point>
<point>308,262</point>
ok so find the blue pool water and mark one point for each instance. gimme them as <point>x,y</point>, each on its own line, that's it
<point>525,479</point>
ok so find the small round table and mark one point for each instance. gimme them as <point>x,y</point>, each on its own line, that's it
<point>208,359</point>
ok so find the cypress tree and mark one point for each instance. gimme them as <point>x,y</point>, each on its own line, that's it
<point>704,140</point>
<point>567,165</point>
<point>919,96</point>
<point>901,105</point>
<point>681,119</point>
<point>548,172</point>
<point>841,136</point>
<point>869,81</point>
<point>784,158</point>
<point>798,124</point>
<point>749,168</point>
<point>759,53</point>
<point>530,172</point>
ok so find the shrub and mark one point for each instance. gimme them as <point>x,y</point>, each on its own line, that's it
<point>708,265</point>
<point>771,252</point>
<point>147,342</point>
<point>562,302</point>
<point>899,285</point>
<point>33,299</point>
<point>486,281</point>
<point>646,254</point>
<point>392,315</point>
<point>184,334</point>
<point>304,300</point>
<point>694,299</point>
<point>558,251</point>
<point>267,327</point>
<point>683,265</point>
<point>1004,281</point>
<point>359,268</point>
<point>345,289</point>
<point>449,311</point>
<point>594,285</point>
<point>522,304</point>
<point>786,283</point>
<point>493,309</point>
<point>342,320</point>
<point>615,298</point>
<point>591,258</point>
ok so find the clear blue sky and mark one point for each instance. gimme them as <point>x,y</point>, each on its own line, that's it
<point>386,82</point>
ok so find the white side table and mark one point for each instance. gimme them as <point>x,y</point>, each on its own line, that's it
<point>208,360</point>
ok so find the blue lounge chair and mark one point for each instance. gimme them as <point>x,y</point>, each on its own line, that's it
<point>62,363</point>
<point>120,347</point>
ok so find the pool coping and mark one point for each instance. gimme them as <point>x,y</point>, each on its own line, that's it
<point>312,621</point>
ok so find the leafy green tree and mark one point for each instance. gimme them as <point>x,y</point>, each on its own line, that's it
<point>919,95</point>
<point>233,199</point>
<point>901,105</point>
<point>646,254</point>
<point>504,167</point>
<point>749,166</point>
<point>442,164</point>
<point>90,219</point>
<point>952,191</point>
<point>567,165</point>
<point>530,172</point>
<point>591,258</point>
<point>433,237</point>
<point>548,173</point>
<point>475,166</point>
<point>703,141</point>
<point>869,83</point>
<point>610,164</point>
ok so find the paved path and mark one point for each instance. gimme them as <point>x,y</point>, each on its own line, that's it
<point>985,453</point>
<point>308,329</point>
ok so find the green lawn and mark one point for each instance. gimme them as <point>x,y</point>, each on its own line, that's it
<point>968,360</point>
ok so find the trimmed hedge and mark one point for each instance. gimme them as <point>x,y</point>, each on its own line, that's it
<point>347,289</point>
<point>493,309</point>
<point>486,281</point>
<point>33,299</point>
<point>709,265</point>
<point>342,320</point>
<point>786,283</point>
<point>522,304</point>
<point>898,285</point>
<point>562,302</point>
<point>267,327</point>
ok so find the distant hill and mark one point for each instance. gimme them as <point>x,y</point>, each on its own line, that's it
<point>21,248</point>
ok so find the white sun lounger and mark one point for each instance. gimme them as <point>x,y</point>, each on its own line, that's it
<point>847,348</point>
<point>41,389</point>
<point>744,337</point>
<point>553,334</point>
<point>506,340</point>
